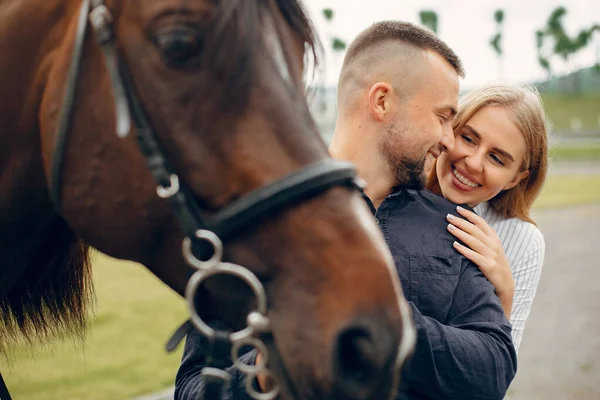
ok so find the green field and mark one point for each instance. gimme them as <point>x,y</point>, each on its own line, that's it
<point>560,108</point>
<point>579,151</point>
<point>123,356</point>
<point>569,190</point>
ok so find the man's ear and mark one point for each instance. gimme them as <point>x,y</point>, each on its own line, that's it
<point>379,100</point>
<point>515,181</point>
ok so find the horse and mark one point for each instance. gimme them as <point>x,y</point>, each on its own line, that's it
<point>214,143</point>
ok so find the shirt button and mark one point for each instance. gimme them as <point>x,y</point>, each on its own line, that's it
<point>377,221</point>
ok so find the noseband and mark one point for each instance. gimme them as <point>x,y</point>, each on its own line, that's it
<point>247,210</point>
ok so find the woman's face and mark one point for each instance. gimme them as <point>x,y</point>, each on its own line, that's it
<point>486,159</point>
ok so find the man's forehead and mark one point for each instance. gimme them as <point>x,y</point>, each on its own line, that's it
<point>442,79</point>
<point>438,65</point>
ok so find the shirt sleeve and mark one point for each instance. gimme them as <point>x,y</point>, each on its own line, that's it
<point>189,383</point>
<point>526,273</point>
<point>471,355</point>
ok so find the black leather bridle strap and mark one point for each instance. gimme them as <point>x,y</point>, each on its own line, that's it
<point>187,212</point>
<point>68,105</point>
<point>294,188</point>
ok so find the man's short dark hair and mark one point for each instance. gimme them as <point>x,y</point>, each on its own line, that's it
<point>408,33</point>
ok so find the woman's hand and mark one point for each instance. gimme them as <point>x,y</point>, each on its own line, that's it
<point>261,378</point>
<point>486,251</point>
<point>265,381</point>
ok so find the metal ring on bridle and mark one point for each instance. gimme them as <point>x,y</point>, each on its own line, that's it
<point>212,239</point>
<point>225,269</point>
<point>168,191</point>
<point>250,379</point>
<point>248,368</point>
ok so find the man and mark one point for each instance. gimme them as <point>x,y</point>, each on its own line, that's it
<point>397,96</point>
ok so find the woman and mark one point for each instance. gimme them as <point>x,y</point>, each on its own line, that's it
<point>498,167</point>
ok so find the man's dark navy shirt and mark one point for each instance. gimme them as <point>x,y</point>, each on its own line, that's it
<point>464,348</point>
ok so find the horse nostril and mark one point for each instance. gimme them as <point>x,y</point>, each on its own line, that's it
<point>357,355</point>
<point>358,362</point>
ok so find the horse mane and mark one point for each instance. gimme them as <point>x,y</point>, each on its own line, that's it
<point>296,17</point>
<point>246,15</point>
<point>51,295</point>
<point>237,38</point>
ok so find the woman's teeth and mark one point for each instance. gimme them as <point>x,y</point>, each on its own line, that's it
<point>462,179</point>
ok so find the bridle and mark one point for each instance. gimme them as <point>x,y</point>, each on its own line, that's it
<point>209,232</point>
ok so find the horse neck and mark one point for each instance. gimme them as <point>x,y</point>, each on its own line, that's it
<point>30,31</point>
<point>38,249</point>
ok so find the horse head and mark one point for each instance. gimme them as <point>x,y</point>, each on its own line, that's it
<point>212,93</point>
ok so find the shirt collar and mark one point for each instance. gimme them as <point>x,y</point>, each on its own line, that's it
<point>369,202</point>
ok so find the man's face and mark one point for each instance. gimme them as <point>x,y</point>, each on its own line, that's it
<point>421,127</point>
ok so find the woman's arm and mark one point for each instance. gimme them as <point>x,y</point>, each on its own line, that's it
<point>527,270</point>
<point>483,247</point>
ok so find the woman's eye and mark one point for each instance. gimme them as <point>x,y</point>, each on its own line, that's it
<point>496,160</point>
<point>467,139</point>
<point>178,45</point>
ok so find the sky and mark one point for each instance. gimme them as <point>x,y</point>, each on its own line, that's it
<point>467,26</point>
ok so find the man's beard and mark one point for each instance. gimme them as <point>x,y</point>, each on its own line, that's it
<point>409,172</point>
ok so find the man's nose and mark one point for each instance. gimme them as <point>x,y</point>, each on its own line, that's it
<point>447,141</point>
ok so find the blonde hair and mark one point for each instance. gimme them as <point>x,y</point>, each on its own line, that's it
<point>525,106</point>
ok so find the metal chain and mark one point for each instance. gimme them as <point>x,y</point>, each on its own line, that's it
<point>257,322</point>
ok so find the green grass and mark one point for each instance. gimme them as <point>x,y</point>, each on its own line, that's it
<point>569,190</point>
<point>123,356</point>
<point>560,108</point>
<point>575,151</point>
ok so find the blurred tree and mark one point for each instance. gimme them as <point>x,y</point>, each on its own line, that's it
<point>496,41</point>
<point>563,46</point>
<point>593,30</point>
<point>429,18</point>
<point>337,44</point>
<point>542,60</point>
<point>328,14</point>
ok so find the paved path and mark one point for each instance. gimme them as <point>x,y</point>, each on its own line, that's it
<point>574,168</point>
<point>560,353</point>
<point>166,394</point>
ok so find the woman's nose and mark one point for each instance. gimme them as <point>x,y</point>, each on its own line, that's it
<point>474,163</point>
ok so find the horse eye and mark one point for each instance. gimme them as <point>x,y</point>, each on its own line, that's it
<point>178,45</point>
